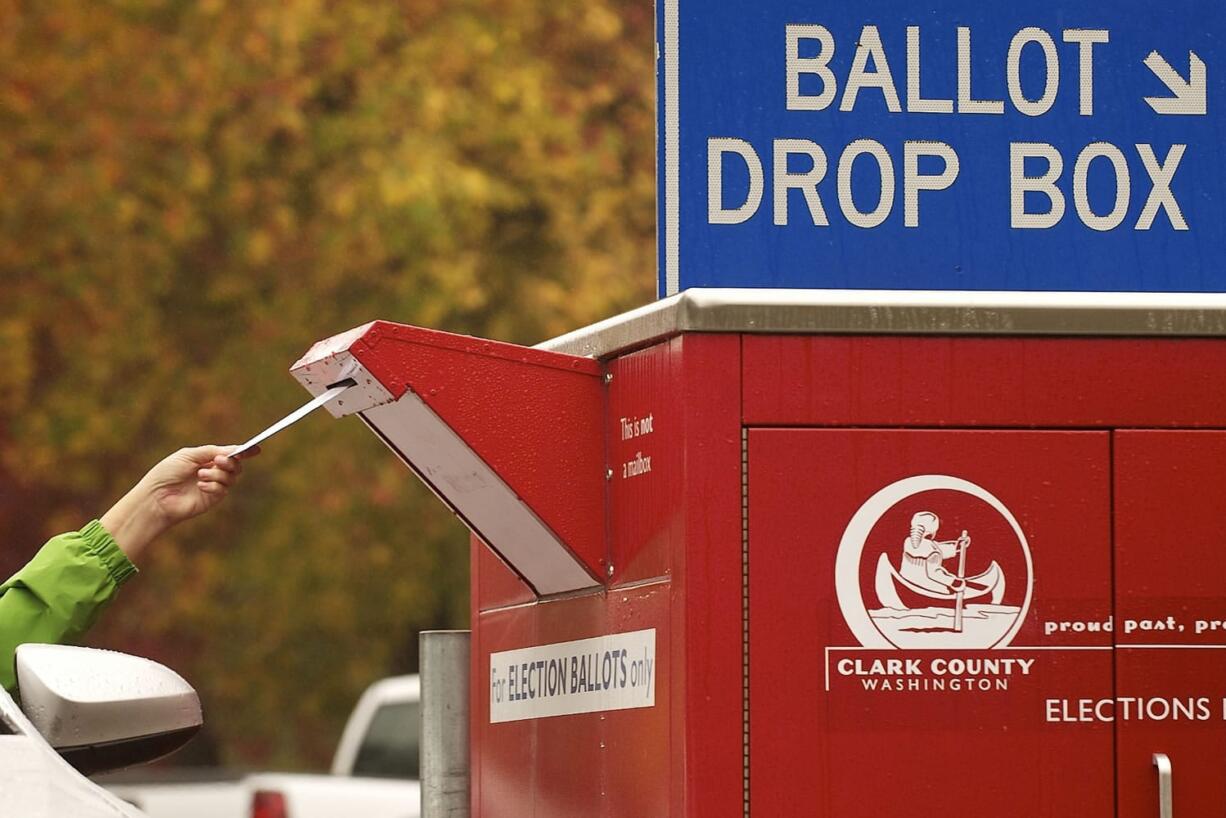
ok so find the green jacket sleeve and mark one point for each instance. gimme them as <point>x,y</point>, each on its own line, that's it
<point>57,596</point>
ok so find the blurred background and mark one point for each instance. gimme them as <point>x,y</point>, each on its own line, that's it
<point>194,191</point>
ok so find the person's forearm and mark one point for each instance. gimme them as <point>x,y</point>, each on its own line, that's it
<point>134,522</point>
<point>183,485</point>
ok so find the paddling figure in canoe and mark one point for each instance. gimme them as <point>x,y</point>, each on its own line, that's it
<point>923,570</point>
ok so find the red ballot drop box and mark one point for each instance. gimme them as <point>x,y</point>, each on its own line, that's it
<point>778,553</point>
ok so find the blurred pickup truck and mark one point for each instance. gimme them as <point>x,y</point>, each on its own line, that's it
<point>374,772</point>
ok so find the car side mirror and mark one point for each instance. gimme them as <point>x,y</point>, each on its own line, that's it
<point>103,710</point>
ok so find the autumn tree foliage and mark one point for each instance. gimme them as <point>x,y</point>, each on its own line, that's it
<point>191,193</point>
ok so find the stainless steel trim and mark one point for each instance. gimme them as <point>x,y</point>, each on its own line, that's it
<point>884,312</point>
<point>444,723</point>
<point>1165,806</point>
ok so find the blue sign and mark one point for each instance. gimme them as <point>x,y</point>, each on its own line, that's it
<point>943,144</point>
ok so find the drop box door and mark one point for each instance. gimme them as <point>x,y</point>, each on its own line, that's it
<point>1170,593</point>
<point>870,695</point>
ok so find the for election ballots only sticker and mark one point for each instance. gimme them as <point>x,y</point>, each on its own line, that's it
<point>612,672</point>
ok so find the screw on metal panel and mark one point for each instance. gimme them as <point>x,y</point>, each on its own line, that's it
<point>608,474</point>
<point>609,569</point>
<point>608,377</point>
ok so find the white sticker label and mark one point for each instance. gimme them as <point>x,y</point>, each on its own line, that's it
<point>613,672</point>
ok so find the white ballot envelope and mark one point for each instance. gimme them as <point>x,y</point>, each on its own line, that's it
<point>293,417</point>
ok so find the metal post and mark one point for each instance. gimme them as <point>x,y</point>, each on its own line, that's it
<point>444,724</point>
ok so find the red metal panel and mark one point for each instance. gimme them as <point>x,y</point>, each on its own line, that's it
<point>681,520</point>
<point>493,583</point>
<point>640,761</point>
<point>534,417</point>
<point>1028,382</point>
<point>707,624</point>
<point>852,750</point>
<point>614,763</point>
<point>645,433</point>
<point>1168,578</point>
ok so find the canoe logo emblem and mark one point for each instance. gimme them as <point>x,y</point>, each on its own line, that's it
<point>934,561</point>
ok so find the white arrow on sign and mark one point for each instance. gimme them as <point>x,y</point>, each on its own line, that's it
<point>1189,96</point>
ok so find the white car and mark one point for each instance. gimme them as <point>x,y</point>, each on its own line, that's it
<point>82,711</point>
<point>374,772</point>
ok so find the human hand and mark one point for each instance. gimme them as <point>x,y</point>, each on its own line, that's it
<point>191,481</point>
<point>183,485</point>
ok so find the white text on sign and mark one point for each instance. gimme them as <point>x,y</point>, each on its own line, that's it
<point>631,428</point>
<point>1036,170</point>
